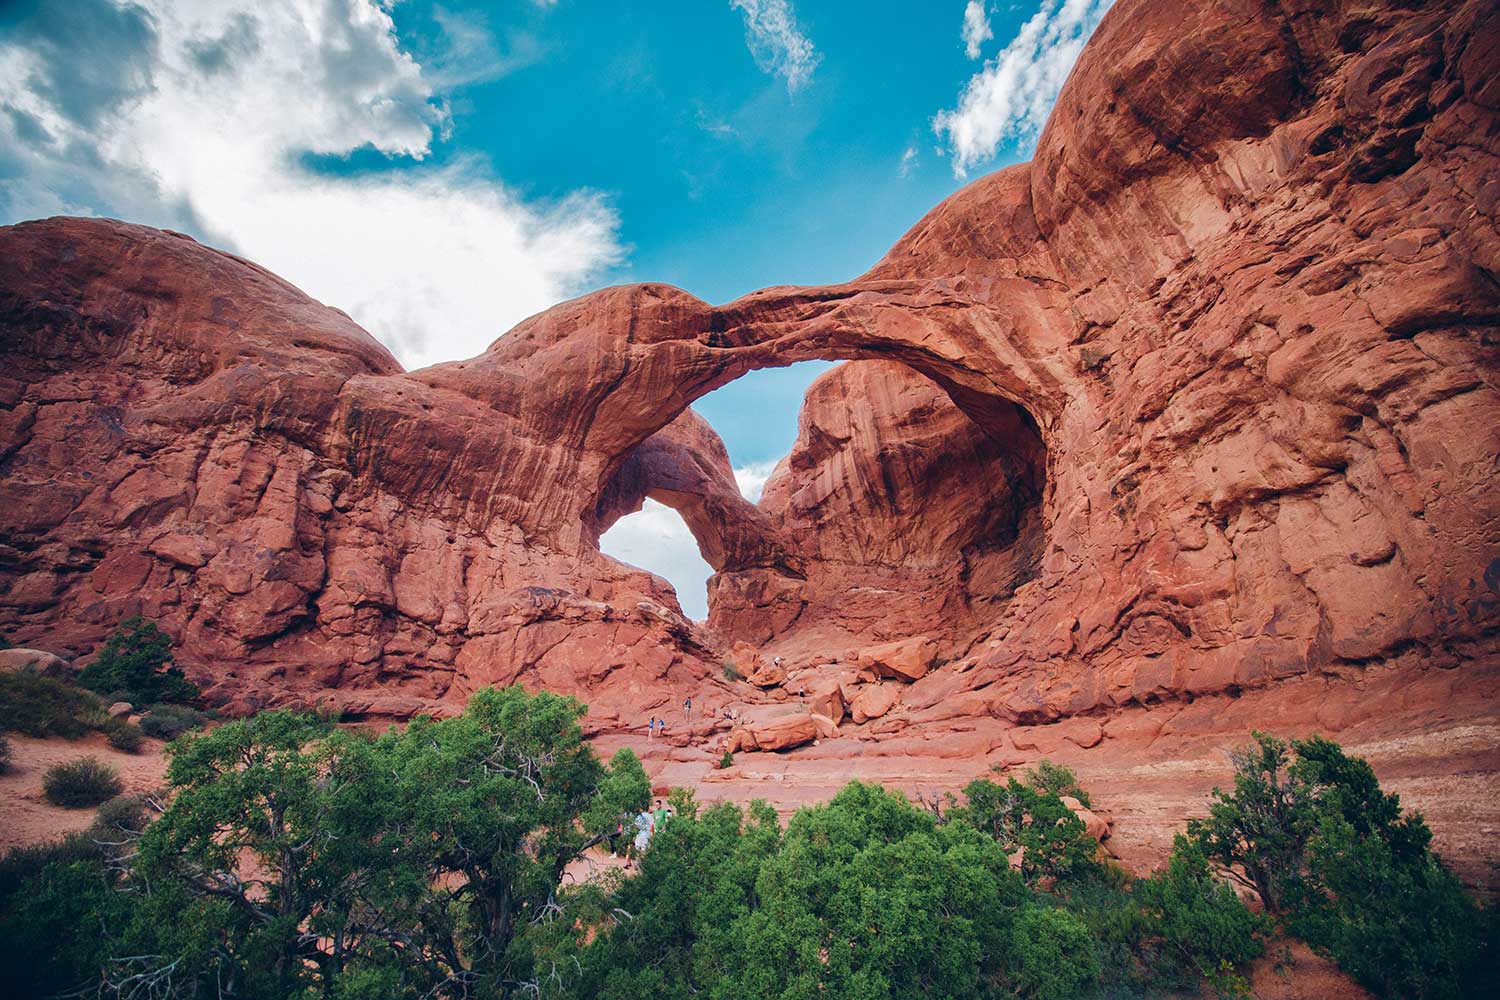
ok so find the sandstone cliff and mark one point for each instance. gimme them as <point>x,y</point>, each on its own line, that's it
<point>1200,401</point>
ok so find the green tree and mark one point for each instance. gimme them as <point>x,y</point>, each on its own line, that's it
<point>1053,843</point>
<point>1052,954</point>
<point>1258,832</point>
<point>1347,870</point>
<point>300,858</point>
<point>1056,779</point>
<point>1198,916</point>
<point>137,660</point>
<point>1375,897</point>
<point>863,897</point>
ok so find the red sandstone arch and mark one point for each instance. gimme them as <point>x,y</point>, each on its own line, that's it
<point>890,490</point>
<point>1253,325</point>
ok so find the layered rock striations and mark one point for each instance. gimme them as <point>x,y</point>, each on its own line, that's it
<point>1201,401</point>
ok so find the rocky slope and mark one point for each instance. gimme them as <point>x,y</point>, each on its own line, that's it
<point>1199,407</point>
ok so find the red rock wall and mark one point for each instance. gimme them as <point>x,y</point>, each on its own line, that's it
<point>1245,295</point>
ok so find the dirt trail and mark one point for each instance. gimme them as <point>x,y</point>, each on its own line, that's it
<point>28,818</point>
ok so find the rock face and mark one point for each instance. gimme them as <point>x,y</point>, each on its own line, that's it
<point>1200,401</point>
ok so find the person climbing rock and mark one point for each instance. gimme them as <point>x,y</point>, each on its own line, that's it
<point>651,729</point>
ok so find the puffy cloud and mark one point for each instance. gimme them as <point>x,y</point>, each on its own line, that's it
<point>206,116</point>
<point>655,538</point>
<point>1012,95</point>
<point>751,479</point>
<point>976,29</point>
<point>777,42</point>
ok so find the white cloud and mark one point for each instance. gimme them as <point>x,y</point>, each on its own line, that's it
<point>908,161</point>
<point>209,131</point>
<point>777,42</point>
<point>977,29</point>
<point>656,538</point>
<point>1012,95</point>
<point>751,479</point>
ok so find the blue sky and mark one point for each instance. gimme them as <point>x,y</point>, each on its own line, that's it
<point>440,170</point>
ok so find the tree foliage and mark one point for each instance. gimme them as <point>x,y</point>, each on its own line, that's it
<point>302,857</point>
<point>136,660</point>
<point>293,860</point>
<point>1346,870</point>
<point>1048,840</point>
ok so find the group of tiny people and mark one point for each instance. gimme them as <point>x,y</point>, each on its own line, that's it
<point>658,726</point>
<point>646,823</point>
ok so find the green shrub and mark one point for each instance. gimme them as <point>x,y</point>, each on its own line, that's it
<point>81,783</point>
<point>1056,779</point>
<point>726,761</point>
<point>1347,871</point>
<point>137,659</point>
<point>57,906</point>
<point>1055,845</point>
<point>121,816</point>
<point>124,735</point>
<point>41,706</point>
<point>732,672</point>
<point>1200,918</point>
<point>5,752</point>
<point>167,722</point>
<point>1052,954</point>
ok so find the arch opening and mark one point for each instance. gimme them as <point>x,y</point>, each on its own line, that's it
<point>658,540</point>
<point>746,427</point>
<point>895,512</point>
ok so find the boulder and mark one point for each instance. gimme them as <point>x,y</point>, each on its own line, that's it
<point>827,728</point>
<point>767,675</point>
<point>824,695</point>
<point>906,660</point>
<point>872,701</point>
<point>1083,733</point>
<point>1096,825</point>
<point>773,728</point>
<point>36,660</point>
<point>121,710</point>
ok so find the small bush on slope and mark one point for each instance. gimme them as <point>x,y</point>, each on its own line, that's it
<point>167,722</point>
<point>81,783</point>
<point>1056,779</point>
<point>41,706</point>
<point>123,735</point>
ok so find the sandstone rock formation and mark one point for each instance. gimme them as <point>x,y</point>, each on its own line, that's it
<point>37,660</point>
<point>1094,825</point>
<point>774,728</point>
<point>1199,403</point>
